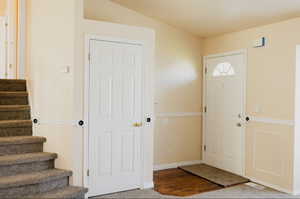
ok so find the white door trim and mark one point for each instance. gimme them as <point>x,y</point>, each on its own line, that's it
<point>145,106</point>
<point>21,68</point>
<point>205,58</point>
<point>4,54</point>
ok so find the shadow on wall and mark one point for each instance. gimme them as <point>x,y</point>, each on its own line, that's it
<point>179,74</point>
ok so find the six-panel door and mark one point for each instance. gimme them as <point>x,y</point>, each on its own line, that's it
<point>114,109</point>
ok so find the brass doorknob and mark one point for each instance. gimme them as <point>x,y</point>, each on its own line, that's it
<point>138,124</point>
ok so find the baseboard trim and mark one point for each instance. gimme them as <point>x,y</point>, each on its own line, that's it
<point>175,165</point>
<point>296,193</point>
<point>148,185</point>
<point>276,187</point>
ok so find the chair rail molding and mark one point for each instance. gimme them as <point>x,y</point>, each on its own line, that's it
<point>271,121</point>
<point>179,114</point>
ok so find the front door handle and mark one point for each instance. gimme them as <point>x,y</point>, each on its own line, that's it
<point>138,124</point>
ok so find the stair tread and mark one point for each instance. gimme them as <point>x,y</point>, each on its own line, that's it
<point>21,140</point>
<point>14,107</point>
<point>64,193</point>
<point>26,158</point>
<point>15,123</point>
<point>33,178</point>
<point>13,81</point>
<point>13,94</point>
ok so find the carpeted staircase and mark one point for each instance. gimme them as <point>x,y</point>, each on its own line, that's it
<point>25,170</point>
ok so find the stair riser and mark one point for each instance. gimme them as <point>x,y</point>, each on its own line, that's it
<point>13,87</point>
<point>15,192</point>
<point>19,131</point>
<point>26,168</point>
<point>13,100</point>
<point>21,148</point>
<point>15,115</point>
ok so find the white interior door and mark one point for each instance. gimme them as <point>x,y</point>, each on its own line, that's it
<point>224,129</point>
<point>3,47</point>
<point>115,102</point>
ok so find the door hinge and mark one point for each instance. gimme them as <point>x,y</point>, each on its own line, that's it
<point>205,70</point>
<point>89,56</point>
<point>204,148</point>
<point>88,172</point>
<point>205,109</point>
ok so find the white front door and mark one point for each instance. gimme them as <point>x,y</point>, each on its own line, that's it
<point>115,102</point>
<point>224,98</point>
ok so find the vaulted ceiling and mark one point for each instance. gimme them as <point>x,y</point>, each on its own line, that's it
<point>212,17</point>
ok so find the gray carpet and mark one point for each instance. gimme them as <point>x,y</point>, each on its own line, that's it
<point>215,175</point>
<point>240,191</point>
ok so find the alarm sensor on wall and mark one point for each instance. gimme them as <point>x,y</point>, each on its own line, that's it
<point>258,43</point>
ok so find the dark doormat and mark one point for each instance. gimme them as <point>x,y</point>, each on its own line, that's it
<point>215,175</point>
<point>176,182</point>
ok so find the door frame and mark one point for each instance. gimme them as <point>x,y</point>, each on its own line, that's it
<point>5,46</point>
<point>21,38</point>
<point>243,52</point>
<point>144,108</point>
<point>16,38</point>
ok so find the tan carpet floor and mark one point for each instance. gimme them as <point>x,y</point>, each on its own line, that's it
<point>240,191</point>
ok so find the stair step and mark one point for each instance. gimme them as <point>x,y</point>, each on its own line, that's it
<point>14,112</point>
<point>21,140</point>
<point>21,144</point>
<point>26,163</point>
<point>26,158</point>
<point>69,192</point>
<point>15,123</point>
<point>33,183</point>
<point>12,85</point>
<point>13,98</point>
<point>5,108</point>
<point>15,128</point>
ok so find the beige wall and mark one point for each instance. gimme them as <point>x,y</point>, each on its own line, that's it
<point>50,46</point>
<point>2,7</point>
<point>177,81</point>
<point>270,87</point>
<point>55,39</point>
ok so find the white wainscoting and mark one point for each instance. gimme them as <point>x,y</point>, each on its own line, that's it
<point>272,121</point>
<point>252,118</point>
<point>58,122</point>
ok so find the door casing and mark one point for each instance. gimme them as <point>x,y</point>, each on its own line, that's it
<point>4,48</point>
<point>238,52</point>
<point>146,86</point>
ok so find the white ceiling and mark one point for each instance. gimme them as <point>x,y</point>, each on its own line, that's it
<point>212,17</point>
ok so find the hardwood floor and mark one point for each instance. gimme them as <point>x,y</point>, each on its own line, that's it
<point>176,182</point>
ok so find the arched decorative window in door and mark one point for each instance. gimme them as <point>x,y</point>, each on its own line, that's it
<point>223,69</point>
